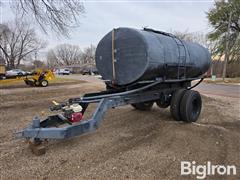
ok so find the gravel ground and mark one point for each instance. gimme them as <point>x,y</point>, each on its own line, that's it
<point>129,144</point>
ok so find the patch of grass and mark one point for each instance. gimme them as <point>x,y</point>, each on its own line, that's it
<point>20,82</point>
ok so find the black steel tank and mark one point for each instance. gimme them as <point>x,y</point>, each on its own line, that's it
<point>127,55</point>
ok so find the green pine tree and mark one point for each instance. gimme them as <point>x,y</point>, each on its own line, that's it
<point>219,17</point>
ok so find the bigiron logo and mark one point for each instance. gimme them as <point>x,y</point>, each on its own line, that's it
<point>202,171</point>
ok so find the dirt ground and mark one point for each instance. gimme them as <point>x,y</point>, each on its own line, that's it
<point>129,144</point>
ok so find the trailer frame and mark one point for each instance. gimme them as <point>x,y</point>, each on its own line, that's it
<point>148,91</point>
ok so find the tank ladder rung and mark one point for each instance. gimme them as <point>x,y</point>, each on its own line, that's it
<point>181,59</point>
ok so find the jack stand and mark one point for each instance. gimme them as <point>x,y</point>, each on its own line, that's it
<point>37,147</point>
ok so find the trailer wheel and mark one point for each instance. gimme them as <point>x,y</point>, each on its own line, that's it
<point>143,106</point>
<point>191,105</point>
<point>175,104</point>
<point>44,83</point>
<point>164,101</point>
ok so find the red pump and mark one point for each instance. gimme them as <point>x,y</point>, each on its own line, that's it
<point>76,117</point>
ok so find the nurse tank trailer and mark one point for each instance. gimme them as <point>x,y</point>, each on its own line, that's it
<point>140,68</point>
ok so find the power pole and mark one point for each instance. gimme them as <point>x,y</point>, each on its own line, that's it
<point>35,56</point>
<point>35,60</point>
<point>226,57</point>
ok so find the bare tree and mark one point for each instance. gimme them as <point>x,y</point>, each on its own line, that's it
<point>192,37</point>
<point>38,64</point>
<point>200,38</point>
<point>4,31</point>
<point>196,37</point>
<point>64,54</point>
<point>52,60</point>
<point>19,43</point>
<point>88,56</point>
<point>55,14</point>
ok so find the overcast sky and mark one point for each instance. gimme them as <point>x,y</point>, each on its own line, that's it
<point>103,16</point>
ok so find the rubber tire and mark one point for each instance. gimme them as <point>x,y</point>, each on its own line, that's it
<point>143,106</point>
<point>44,83</point>
<point>29,83</point>
<point>191,105</point>
<point>162,105</point>
<point>175,104</point>
<point>37,83</point>
<point>26,82</point>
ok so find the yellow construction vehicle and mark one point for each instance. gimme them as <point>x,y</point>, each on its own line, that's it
<point>39,77</point>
